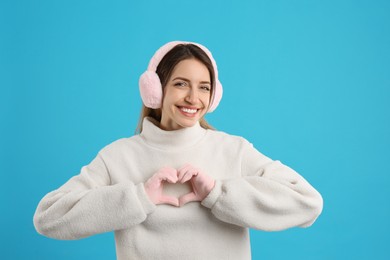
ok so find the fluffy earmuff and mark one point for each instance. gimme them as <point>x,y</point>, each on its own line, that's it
<point>150,84</point>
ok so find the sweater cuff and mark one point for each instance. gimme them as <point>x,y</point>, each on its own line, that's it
<point>211,199</point>
<point>146,203</point>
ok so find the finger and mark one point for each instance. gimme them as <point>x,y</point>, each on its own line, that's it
<point>171,177</point>
<point>154,182</point>
<point>188,198</point>
<point>169,200</point>
<point>185,166</point>
<point>186,173</point>
<point>168,174</point>
<point>183,170</point>
<point>189,175</point>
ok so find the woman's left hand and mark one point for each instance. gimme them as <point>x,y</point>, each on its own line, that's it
<point>201,183</point>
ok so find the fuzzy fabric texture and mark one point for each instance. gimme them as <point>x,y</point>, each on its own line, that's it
<point>150,84</point>
<point>151,89</point>
<point>251,191</point>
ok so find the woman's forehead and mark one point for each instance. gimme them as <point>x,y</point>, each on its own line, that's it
<point>191,69</point>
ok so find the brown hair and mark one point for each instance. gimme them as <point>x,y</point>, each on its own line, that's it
<point>164,71</point>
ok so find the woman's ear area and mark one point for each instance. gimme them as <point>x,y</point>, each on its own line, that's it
<point>151,89</point>
<point>217,96</point>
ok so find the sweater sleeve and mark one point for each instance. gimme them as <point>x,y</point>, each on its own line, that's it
<point>87,204</point>
<point>268,196</point>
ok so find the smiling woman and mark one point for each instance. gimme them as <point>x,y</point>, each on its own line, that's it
<point>187,95</point>
<point>134,186</point>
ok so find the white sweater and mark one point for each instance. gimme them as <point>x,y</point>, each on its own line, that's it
<point>251,191</point>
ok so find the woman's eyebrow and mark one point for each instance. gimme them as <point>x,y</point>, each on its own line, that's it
<point>181,78</point>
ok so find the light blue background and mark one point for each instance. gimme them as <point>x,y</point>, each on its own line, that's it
<point>306,81</point>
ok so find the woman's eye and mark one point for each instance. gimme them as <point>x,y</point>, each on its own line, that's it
<point>180,84</point>
<point>206,88</point>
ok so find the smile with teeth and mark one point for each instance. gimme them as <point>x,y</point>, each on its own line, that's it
<point>188,110</point>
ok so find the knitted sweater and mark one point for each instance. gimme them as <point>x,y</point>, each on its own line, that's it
<point>251,191</point>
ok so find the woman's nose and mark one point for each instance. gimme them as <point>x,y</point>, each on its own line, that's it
<point>192,96</point>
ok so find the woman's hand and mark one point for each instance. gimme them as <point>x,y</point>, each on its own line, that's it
<point>154,186</point>
<point>201,183</point>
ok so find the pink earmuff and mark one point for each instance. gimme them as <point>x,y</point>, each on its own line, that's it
<point>150,84</point>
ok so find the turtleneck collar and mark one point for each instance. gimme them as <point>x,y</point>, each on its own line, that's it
<point>172,140</point>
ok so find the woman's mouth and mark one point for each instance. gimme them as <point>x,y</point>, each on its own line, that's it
<point>188,111</point>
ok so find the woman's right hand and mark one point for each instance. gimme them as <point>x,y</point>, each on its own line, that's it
<point>154,186</point>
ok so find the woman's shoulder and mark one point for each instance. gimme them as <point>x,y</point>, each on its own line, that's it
<point>223,137</point>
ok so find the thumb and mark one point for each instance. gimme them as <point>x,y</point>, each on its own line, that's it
<point>169,200</point>
<point>188,198</point>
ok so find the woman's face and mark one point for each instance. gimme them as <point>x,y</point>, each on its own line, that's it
<point>186,95</point>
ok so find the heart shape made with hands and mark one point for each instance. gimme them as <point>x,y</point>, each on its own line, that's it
<point>178,187</point>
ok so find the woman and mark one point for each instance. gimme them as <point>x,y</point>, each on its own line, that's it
<point>179,189</point>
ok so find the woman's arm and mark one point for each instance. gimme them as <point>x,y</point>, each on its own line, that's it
<point>269,196</point>
<point>88,204</point>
